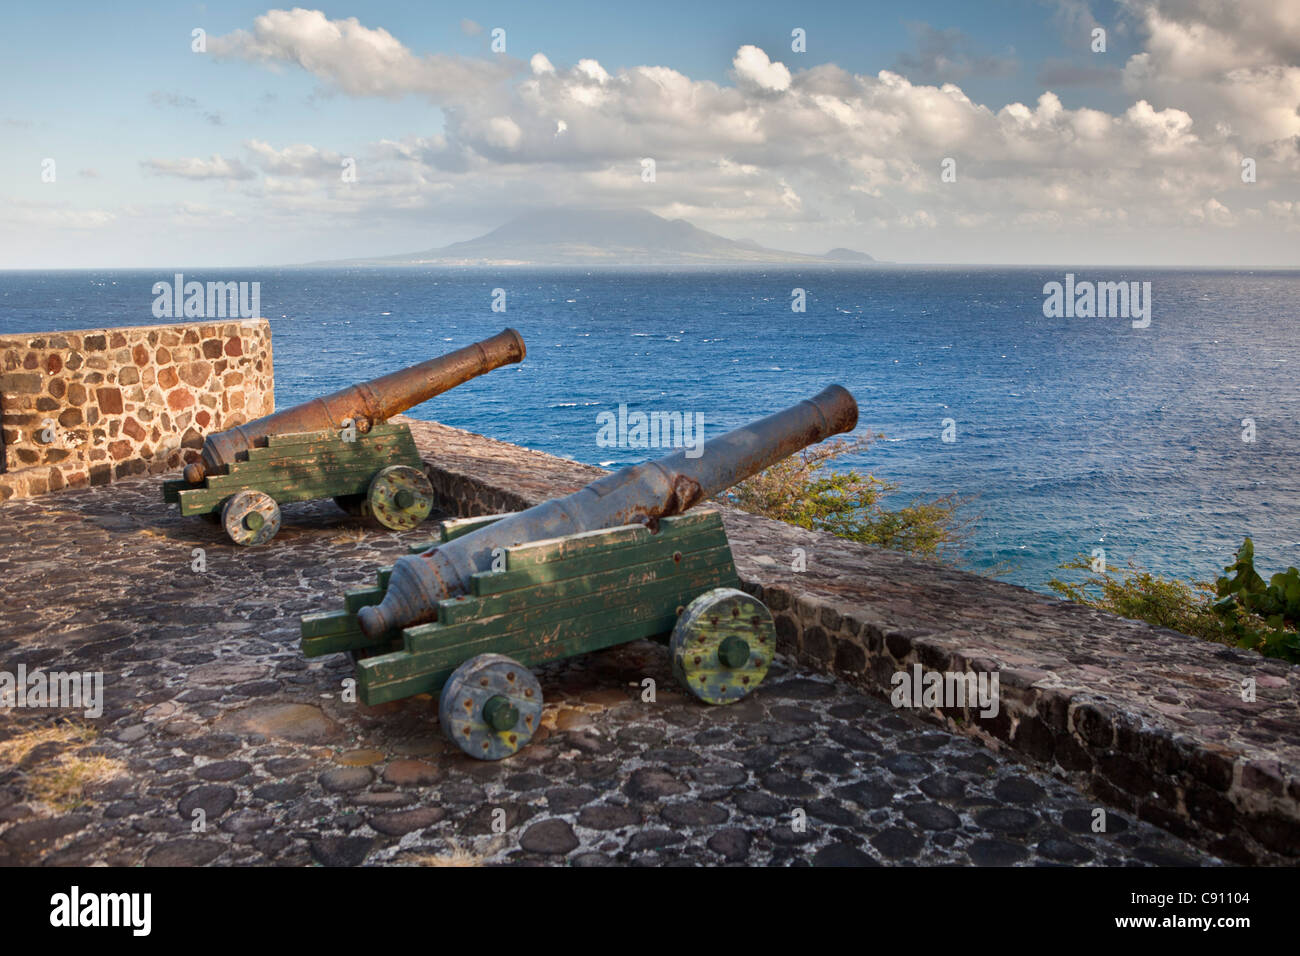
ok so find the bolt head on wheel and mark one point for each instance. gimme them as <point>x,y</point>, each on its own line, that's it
<point>722,645</point>
<point>400,497</point>
<point>250,517</point>
<point>490,706</point>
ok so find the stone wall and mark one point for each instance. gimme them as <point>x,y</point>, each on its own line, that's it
<point>89,406</point>
<point>1148,720</point>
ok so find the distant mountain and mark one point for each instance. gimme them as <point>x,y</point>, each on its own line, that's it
<point>590,237</point>
<point>840,254</point>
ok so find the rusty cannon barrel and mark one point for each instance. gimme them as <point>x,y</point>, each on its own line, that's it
<point>364,404</point>
<point>636,494</point>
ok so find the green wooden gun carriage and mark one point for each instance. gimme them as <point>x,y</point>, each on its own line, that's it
<point>341,446</point>
<point>553,599</point>
<point>377,474</point>
<point>616,561</point>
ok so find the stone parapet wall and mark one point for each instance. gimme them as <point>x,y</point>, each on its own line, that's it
<point>86,407</point>
<point>1148,720</point>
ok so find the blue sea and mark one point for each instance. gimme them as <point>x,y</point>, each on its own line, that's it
<point>1070,433</point>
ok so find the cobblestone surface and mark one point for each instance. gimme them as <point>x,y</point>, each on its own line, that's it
<point>1148,720</point>
<point>212,715</point>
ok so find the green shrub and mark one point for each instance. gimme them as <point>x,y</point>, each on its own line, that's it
<point>1262,616</point>
<point>1142,596</point>
<point>1240,610</point>
<point>804,491</point>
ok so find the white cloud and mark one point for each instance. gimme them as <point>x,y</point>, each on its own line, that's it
<point>834,151</point>
<point>502,132</point>
<point>753,66</point>
<point>358,60</point>
<point>217,167</point>
<point>1231,64</point>
<point>297,160</point>
<point>592,70</point>
<point>24,212</point>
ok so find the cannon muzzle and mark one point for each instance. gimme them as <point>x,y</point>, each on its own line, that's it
<point>636,494</point>
<point>363,404</point>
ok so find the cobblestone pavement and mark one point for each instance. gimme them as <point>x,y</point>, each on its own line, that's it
<point>213,716</point>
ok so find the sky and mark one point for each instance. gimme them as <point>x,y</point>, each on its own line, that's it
<point>1071,132</point>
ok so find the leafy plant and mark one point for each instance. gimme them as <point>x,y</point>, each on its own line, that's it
<point>1139,595</point>
<point>803,490</point>
<point>1239,609</point>
<point>1265,617</point>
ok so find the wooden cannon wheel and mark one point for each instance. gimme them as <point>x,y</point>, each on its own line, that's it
<point>400,497</point>
<point>250,517</point>
<point>490,706</point>
<point>722,645</point>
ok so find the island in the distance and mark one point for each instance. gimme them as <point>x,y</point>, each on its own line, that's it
<point>593,237</point>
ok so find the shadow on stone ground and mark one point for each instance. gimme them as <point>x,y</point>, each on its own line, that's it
<point>213,717</point>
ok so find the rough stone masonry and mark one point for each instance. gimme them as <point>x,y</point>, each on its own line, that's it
<point>88,407</point>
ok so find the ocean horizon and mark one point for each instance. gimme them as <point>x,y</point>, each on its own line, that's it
<point>1069,433</point>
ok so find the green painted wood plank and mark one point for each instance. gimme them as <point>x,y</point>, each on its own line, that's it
<point>333,643</point>
<point>571,546</point>
<point>456,527</point>
<point>284,484</point>
<point>288,481</point>
<point>197,501</point>
<point>353,640</point>
<point>379,430</point>
<point>623,554</point>
<point>247,473</point>
<point>354,601</point>
<point>401,674</point>
<point>649,562</point>
<point>376,688</point>
<point>309,450</point>
<point>373,695</point>
<point>323,623</point>
<point>172,488</point>
<point>338,453</point>
<point>338,631</point>
<point>547,550</point>
<point>401,668</point>
<point>661,592</point>
<point>382,577</point>
<point>202,501</point>
<point>297,438</point>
